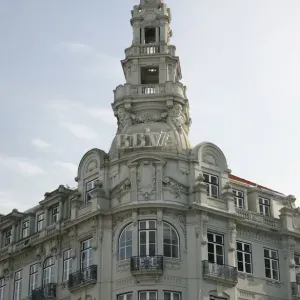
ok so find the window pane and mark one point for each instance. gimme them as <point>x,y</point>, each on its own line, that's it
<point>220,260</point>
<point>152,235</point>
<point>152,225</point>
<point>219,239</point>
<point>247,258</point>
<point>219,250</point>
<point>240,266</point>
<point>248,268</point>
<point>210,248</point>
<point>247,248</point>
<point>167,250</point>
<point>214,180</point>
<point>275,275</point>
<point>167,296</point>
<point>176,296</point>
<point>175,253</point>
<point>143,237</point>
<point>268,273</point>
<point>267,263</point>
<point>211,258</point>
<point>266,253</point>
<point>143,296</point>
<point>210,237</point>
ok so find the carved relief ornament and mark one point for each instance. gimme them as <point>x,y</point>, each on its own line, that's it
<point>232,235</point>
<point>177,189</point>
<point>204,220</point>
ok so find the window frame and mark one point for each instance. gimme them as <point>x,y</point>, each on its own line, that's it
<point>172,294</point>
<point>87,191</point>
<point>2,288</point>
<point>67,264</point>
<point>215,244</point>
<point>40,221</point>
<point>298,258</point>
<point>271,260</point>
<point>209,184</point>
<point>124,296</point>
<point>244,255</point>
<point>55,214</point>
<point>172,228</point>
<point>147,230</point>
<point>33,274</point>
<point>7,238</point>
<point>51,268</point>
<point>262,205</point>
<point>88,250</point>
<point>26,229</point>
<point>147,294</point>
<point>120,247</point>
<point>17,293</point>
<point>237,197</point>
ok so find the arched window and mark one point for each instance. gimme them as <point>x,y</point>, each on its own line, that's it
<point>125,243</point>
<point>48,272</point>
<point>171,241</point>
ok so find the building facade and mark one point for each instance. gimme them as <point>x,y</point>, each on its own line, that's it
<point>155,218</point>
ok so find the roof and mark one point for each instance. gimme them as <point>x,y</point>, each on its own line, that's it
<point>242,180</point>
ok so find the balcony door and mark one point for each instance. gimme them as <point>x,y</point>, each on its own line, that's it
<point>147,238</point>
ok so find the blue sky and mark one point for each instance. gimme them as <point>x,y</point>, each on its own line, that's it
<point>60,61</point>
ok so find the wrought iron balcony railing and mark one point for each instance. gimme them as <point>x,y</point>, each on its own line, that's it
<point>295,290</point>
<point>83,276</point>
<point>46,292</point>
<point>220,272</point>
<point>140,263</point>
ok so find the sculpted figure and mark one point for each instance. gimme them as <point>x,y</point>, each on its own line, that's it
<point>177,117</point>
<point>124,119</point>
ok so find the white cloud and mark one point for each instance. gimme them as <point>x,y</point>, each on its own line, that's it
<point>75,47</point>
<point>80,130</point>
<point>22,166</point>
<point>69,166</point>
<point>40,143</point>
<point>104,114</point>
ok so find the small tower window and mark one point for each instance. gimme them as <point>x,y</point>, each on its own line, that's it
<point>150,35</point>
<point>149,75</point>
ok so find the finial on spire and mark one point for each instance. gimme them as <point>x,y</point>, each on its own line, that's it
<point>152,2</point>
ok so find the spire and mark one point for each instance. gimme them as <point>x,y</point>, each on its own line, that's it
<point>152,100</point>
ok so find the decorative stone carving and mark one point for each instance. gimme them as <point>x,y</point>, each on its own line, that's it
<point>124,119</point>
<point>232,235</point>
<point>159,216</point>
<point>149,16</point>
<point>73,239</point>
<point>211,159</point>
<point>123,266</point>
<point>258,236</point>
<point>289,251</point>
<point>146,179</point>
<point>176,188</point>
<point>204,220</point>
<point>121,189</point>
<point>149,117</point>
<point>40,252</point>
<point>91,165</point>
<point>172,264</point>
<point>177,117</point>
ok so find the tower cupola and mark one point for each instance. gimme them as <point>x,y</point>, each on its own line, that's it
<point>152,98</point>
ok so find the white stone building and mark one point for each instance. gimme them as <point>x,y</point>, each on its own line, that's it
<point>155,218</point>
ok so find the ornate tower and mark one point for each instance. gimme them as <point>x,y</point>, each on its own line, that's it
<point>151,107</point>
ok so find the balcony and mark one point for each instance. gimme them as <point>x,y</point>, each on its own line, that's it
<point>146,90</point>
<point>150,49</point>
<point>255,218</point>
<point>221,273</point>
<point>147,265</point>
<point>46,292</point>
<point>83,278</point>
<point>295,290</point>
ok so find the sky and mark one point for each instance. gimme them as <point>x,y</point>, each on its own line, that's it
<point>60,62</point>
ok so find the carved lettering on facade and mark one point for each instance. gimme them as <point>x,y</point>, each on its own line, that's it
<point>143,140</point>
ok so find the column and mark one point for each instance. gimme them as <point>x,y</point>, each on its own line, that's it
<point>135,231</point>
<point>232,243</point>
<point>159,230</point>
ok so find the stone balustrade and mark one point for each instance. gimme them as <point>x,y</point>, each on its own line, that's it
<point>173,88</point>
<point>251,216</point>
<point>150,49</point>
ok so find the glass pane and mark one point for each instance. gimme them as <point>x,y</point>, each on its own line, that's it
<point>247,248</point>
<point>152,251</point>
<point>152,295</point>
<point>214,180</point>
<point>176,296</point>
<point>247,258</point>
<point>274,254</point>
<point>152,225</point>
<point>267,263</point>
<point>175,251</point>
<point>129,297</point>
<point>239,256</point>
<point>122,253</point>
<point>122,237</point>
<point>268,273</point>
<point>211,258</point>
<point>275,275</point>
<point>239,246</point>
<point>174,236</point>
<point>152,236</point>
<point>210,248</point>
<point>143,296</point>
<point>248,268</point>
<point>142,250</point>
<point>219,250</point>
<point>266,253</point>
<point>220,260</point>
<point>240,266</point>
<point>167,250</point>
<point>274,265</point>
<point>142,225</point>
<point>167,236</point>
<point>219,239</point>
<point>210,237</point>
<point>167,296</point>
<point>143,237</point>
<point>128,251</point>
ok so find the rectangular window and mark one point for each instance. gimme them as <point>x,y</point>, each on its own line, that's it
<point>18,285</point>
<point>271,264</point>
<point>2,288</point>
<point>40,222</point>
<point>86,258</point>
<point>127,296</point>
<point>238,198</point>
<point>25,229</point>
<point>172,295</point>
<point>297,260</point>
<point>54,214</point>
<point>264,206</point>
<point>67,266</point>
<point>147,238</point>
<point>215,248</point>
<point>88,188</point>
<point>7,237</point>
<point>33,278</point>
<point>244,257</point>
<point>212,184</point>
<point>148,295</point>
